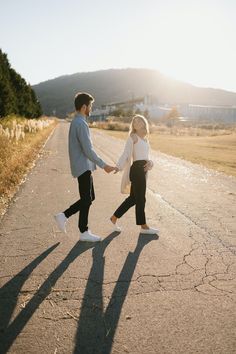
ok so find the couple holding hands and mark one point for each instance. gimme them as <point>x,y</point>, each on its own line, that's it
<point>134,161</point>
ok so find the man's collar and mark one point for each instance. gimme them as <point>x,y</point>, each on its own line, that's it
<point>81,116</point>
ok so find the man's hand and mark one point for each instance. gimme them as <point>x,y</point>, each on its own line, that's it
<point>109,169</point>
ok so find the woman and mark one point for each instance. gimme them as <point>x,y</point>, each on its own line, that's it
<point>136,152</point>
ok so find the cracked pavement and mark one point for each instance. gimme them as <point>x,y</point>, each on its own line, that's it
<point>131,293</point>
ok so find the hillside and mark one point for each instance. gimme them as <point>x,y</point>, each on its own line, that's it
<point>116,85</point>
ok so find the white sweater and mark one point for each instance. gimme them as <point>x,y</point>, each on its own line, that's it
<point>141,150</point>
<point>131,153</point>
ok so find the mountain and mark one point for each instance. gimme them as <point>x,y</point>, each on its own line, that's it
<point>115,85</point>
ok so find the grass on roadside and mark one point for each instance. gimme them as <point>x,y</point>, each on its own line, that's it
<point>213,151</point>
<point>16,157</point>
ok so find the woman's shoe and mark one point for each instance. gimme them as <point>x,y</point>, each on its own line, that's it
<point>150,231</point>
<point>116,227</point>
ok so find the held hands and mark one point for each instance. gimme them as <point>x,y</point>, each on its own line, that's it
<point>148,166</point>
<point>109,169</point>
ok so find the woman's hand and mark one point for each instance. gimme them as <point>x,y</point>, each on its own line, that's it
<point>148,166</point>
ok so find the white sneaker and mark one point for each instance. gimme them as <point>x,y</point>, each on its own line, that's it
<point>116,227</point>
<point>61,220</point>
<point>150,231</point>
<point>88,236</point>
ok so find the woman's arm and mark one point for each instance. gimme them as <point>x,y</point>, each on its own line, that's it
<point>126,154</point>
<point>148,166</point>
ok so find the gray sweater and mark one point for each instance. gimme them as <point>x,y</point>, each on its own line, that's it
<point>81,152</point>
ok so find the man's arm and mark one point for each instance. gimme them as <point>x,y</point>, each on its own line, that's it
<point>82,132</point>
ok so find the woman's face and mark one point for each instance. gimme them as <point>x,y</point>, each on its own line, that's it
<point>138,124</point>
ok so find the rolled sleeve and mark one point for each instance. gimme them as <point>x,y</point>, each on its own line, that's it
<point>82,132</point>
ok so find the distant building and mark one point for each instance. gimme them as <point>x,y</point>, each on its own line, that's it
<point>99,114</point>
<point>156,111</point>
<point>226,114</point>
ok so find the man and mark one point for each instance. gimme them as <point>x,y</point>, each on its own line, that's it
<point>83,160</point>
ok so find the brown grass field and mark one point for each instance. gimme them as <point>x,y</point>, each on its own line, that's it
<point>213,148</point>
<point>16,158</point>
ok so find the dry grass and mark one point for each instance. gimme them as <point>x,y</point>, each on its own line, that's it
<point>16,158</point>
<point>213,148</point>
<point>191,130</point>
<point>119,126</point>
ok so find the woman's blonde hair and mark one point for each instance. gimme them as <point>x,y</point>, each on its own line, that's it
<point>138,116</point>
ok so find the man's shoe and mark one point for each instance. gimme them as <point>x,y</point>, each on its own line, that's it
<point>150,231</point>
<point>88,236</point>
<point>61,220</point>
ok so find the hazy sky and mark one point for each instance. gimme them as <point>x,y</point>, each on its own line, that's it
<point>190,40</point>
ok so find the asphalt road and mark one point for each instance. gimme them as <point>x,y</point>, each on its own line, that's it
<point>130,293</point>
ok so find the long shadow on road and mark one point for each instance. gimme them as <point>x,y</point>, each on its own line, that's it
<point>10,291</point>
<point>96,328</point>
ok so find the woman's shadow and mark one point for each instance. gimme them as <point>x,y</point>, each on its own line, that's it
<point>96,328</point>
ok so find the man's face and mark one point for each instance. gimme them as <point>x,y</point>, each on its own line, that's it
<point>89,109</point>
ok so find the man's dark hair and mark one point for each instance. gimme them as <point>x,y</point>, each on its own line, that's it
<point>82,98</point>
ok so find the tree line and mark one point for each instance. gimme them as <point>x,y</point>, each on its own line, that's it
<point>16,96</point>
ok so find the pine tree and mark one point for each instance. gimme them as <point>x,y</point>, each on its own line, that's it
<point>16,96</point>
<point>8,102</point>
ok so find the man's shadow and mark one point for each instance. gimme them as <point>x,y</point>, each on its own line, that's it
<point>10,291</point>
<point>96,328</point>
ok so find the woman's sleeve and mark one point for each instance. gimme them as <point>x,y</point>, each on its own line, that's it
<point>126,154</point>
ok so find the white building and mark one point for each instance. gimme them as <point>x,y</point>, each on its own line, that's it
<point>225,114</point>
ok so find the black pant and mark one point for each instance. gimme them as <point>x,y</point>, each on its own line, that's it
<point>87,195</point>
<point>137,193</point>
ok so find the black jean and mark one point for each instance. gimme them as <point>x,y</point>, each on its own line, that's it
<point>87,196</point>
<point>137,193</point>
